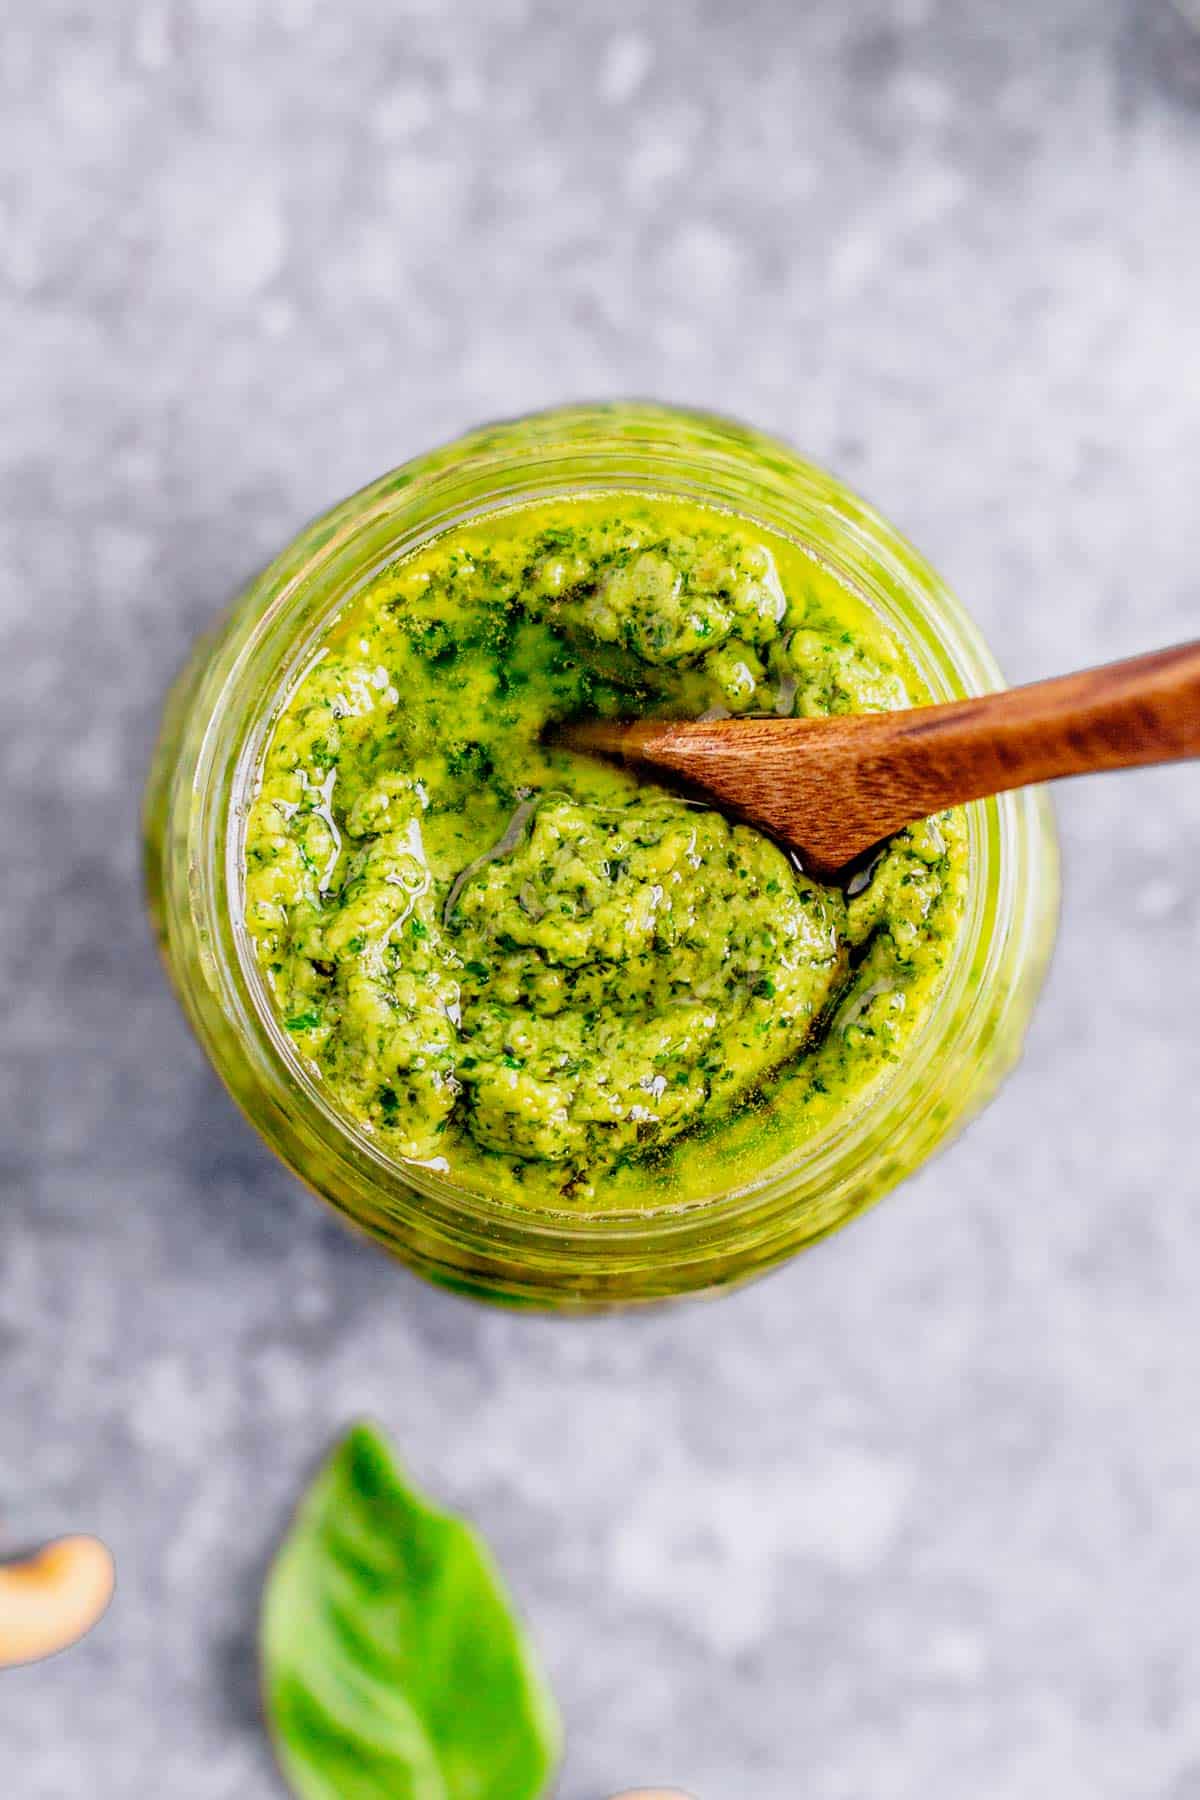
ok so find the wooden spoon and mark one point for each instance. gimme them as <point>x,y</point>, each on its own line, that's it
<point>834,788</point>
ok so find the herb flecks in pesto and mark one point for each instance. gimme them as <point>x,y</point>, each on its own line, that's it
<point>601,1011</point>
<point>516,963</point>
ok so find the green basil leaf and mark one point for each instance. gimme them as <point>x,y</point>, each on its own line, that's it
<point>393,1663</point>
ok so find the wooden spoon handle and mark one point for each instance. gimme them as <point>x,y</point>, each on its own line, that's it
<point>838,786</point>
<point>1121,716</point>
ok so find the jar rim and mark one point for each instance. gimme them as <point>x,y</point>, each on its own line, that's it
<point>504,467</point>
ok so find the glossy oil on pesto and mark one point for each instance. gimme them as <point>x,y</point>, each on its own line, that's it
<point>520,967</point>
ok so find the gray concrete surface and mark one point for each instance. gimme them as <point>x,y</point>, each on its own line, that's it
<point>921,1515</point>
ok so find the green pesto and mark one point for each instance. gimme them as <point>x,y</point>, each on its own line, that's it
<point>518,965</point>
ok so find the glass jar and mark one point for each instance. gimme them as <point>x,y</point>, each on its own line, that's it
<point>219,716</point>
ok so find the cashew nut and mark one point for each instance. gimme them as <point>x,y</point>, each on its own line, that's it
<point>53,1597</point>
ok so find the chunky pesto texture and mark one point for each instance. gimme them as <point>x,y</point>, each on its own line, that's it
<point>518,965</point>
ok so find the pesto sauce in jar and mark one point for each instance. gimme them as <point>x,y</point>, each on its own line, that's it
<point>520,966</point>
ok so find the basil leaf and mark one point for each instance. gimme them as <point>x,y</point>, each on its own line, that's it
<point>393,1663</point>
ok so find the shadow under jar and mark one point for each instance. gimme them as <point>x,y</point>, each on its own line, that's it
<point>726,1200</point>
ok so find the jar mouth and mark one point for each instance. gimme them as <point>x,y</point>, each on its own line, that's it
<point>578,452</point>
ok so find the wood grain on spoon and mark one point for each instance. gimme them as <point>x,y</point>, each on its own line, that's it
<point>834,788</point>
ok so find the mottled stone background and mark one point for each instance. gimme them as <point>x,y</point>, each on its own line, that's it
<point>920,1515</point>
